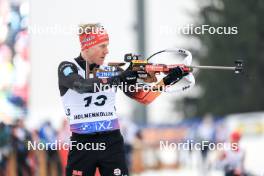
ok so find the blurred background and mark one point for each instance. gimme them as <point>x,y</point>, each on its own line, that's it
<point>35,36</point>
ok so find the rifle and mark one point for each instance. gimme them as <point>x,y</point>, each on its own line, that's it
<point>147,71</point>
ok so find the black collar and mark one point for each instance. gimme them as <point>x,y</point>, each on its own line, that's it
<point>82,63</point>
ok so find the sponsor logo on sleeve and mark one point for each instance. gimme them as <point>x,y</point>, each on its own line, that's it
<point>67,71</point>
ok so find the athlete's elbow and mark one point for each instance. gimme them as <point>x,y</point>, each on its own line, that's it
<point>144,102</point>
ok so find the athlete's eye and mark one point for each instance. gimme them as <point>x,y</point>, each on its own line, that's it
<point>103,46</point>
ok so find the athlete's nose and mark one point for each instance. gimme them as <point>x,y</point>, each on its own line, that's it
<point>106,51</point>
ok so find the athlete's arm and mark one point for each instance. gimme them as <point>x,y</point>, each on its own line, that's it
<point>146,97</point>
<point>143,96</point>
<point>70,79</point>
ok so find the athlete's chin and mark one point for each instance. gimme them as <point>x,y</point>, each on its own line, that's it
<point>100,62</point>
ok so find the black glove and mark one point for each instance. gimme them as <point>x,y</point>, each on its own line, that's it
<point>175,75</point>
<point>129,77</point>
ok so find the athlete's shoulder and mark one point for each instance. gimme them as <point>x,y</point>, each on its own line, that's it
<point>67,67</point>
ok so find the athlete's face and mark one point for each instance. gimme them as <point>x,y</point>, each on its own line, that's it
<point>97,53</point>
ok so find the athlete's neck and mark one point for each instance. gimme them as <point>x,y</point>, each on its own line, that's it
<point>86,58</point>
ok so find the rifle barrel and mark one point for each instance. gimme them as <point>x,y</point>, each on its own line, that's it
<point>213,67</point>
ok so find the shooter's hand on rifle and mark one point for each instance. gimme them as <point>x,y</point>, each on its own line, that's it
<point>175,75</point>
<point>129,77</point>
